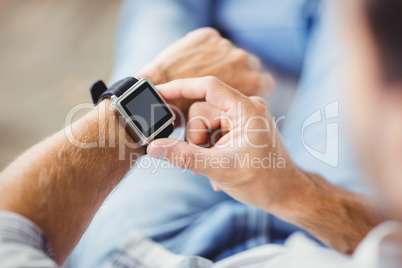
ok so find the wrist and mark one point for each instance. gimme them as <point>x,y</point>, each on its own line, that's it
<point>103,123</point>
<point>312,197</point>
<point>301,197</point>
<point>337,217</point>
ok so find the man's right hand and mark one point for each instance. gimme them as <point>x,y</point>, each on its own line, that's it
<point>248,161</point>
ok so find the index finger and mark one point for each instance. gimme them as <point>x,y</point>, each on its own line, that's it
<point>209,88</point>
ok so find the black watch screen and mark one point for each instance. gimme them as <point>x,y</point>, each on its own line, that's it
<point>147,110</point>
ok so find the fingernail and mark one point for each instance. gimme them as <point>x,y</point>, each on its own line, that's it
<point>158,152</point>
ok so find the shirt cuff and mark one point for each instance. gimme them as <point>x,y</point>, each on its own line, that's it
<point>141,252</point>
<point>17,229</point>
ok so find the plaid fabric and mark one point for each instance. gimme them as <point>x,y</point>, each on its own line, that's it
<point>23,244</point>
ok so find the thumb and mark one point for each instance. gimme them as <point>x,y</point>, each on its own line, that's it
<point>180,154</point>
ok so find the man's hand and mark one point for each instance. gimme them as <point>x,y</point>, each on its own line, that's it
<point>204,52</point>
<point>246,135</point>
<point>248,160</point>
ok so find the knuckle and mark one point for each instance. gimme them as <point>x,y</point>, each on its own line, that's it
<point>258,99</point>
<point>212,81</point>
<point>208,32</point>
<point>267,82</point>
<point>194,108</point>
<point>185,160</point>
<point>259,104</point>
<point>255,81</point>
<point>225,43</point>
<point>262,108</point>
<point>240,55</point>
<point>256,62</point>
<point>271,80</point>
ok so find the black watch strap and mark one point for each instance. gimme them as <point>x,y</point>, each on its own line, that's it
<point>100,91</point>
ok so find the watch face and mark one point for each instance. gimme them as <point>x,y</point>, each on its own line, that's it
<point>146,108</point>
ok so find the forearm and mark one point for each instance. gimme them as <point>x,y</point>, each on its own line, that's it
<point>337,217</point>
<point>60,186</point>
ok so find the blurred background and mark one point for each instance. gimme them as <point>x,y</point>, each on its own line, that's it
<point>50,53</point>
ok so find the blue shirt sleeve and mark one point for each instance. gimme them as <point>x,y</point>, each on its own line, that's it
<point>22,243</point>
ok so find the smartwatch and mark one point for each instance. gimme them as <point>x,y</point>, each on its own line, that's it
<point>146,114</point>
